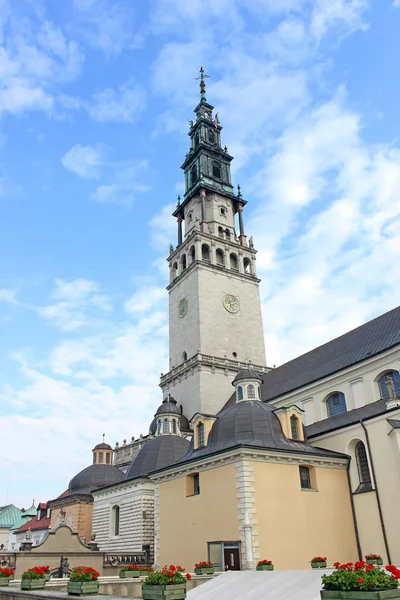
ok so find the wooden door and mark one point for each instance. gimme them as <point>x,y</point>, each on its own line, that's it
<point>231,559</point>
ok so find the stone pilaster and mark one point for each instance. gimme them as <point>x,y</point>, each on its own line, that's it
<point>247,514</point>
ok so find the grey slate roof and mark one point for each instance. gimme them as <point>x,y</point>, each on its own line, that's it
<point>254,424</point>
<point>93,477</point>
<point>247,374</point>
<point>359,344</point>
<point>346,419</point>
<point>102,446</point>
<point>157,453</point>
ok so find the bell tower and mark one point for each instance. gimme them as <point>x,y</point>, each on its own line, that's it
<point>215,322</point>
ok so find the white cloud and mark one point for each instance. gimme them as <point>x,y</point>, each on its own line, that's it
<point>8,296</point>
<point>145,299</point>
<point>85,161</point>
<point>75,300</point>
<point>105,26</point>
<point>396,3</point>
<point>125,184</point>
<point>121,106</point>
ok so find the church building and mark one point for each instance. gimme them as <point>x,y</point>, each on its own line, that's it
<point>243,462</point>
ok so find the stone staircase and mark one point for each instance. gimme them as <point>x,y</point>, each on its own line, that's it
<point>262,585</point>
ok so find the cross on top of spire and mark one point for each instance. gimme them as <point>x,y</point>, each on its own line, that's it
<point>202,76</point>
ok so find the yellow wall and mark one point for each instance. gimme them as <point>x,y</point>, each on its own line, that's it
<point>188,523</point>
<point>295,525</point>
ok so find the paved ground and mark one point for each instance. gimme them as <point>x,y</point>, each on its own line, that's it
<point>262,585</point>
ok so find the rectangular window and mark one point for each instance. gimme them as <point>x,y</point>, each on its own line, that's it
<point>305,478</point>
<point>107,458</point>
<point>101,458</point>
<point>193,485</point>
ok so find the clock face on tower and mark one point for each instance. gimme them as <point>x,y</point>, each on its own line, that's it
<point>231,303</point>
<point>182,307</point>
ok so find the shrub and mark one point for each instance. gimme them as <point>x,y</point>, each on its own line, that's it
<point>135,567</point>
<point>360,576</point>
<point>264,562</point>
<point>83,574</point>
<point>205,564</point>
<point>167,576</point>
<point>6,572</point>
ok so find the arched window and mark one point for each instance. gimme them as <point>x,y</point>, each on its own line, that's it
<point>251,392</point>
<point>294,426</point>
<point>221,232</point>
<point>173,425</point>
<point>200,435</point>
<point>211,136</point>
<point>205,252</point>
<point>193,175</point>
<point>389,386</point>
<point>336,404</point>
<point>247,265</point>
<point>305,478</point>
<point>362,463</point>
<point>196,140</point>
<point>227,234</point>
<point>184,356</point>
<point>101,458</point>
<point>259,392</point>
<point>184,262</point>
<point>165,426</point>
<point>234,262</point>
<point>159,426</point>
<point>240,392</point>
<point>216,170</point>
<point>115,520</point>
<point>108,458</point>
<point>219,255</point>
<point>175,271</point>
<point>192,254</point>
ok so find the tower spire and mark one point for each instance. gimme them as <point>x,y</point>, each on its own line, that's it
<point>202,84</point>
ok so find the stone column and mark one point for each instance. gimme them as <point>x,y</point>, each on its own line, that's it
<point>248,542</point>
<point>242,237</point>
<point>179,219</point>
<point>203,223</point>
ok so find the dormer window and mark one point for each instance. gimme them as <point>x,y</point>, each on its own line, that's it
<point>200,435</point>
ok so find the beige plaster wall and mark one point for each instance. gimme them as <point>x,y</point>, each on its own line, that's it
<point>187,524</point>
<point>77,516</point>
<point>295,525</point>
<point>386,458</point>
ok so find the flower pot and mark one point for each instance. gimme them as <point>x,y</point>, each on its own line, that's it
<point>360,595</point>
<point>204,571</point>
<point>32,584</point>
<point>129,574</point>
<point>171,592</point>
<point>144,573</point>
<point>374,561</point>
<point>264,567</point>
<point>4,581</point>
<point>318,565</point>
<point>47,577</point>
<point>80,588</point>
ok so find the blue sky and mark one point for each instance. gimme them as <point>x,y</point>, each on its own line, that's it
<point>94,101</point>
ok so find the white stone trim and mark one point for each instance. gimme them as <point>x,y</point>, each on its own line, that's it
<point>202,464</point>
<point>247,514</point>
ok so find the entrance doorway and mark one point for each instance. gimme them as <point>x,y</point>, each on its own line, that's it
<point>231,559</point>
<point>225,556</point>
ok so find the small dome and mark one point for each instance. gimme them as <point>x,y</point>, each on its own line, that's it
<point>102,446</point>
<point>184,425</point>
<point>247,374</point>
<point>93,477</point>
<point>157,453</point>
<point>168,406</point>
<point>252,423</point>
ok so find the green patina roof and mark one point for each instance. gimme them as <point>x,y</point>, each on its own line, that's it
<point>9,515</point>
<point>26,515</point>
